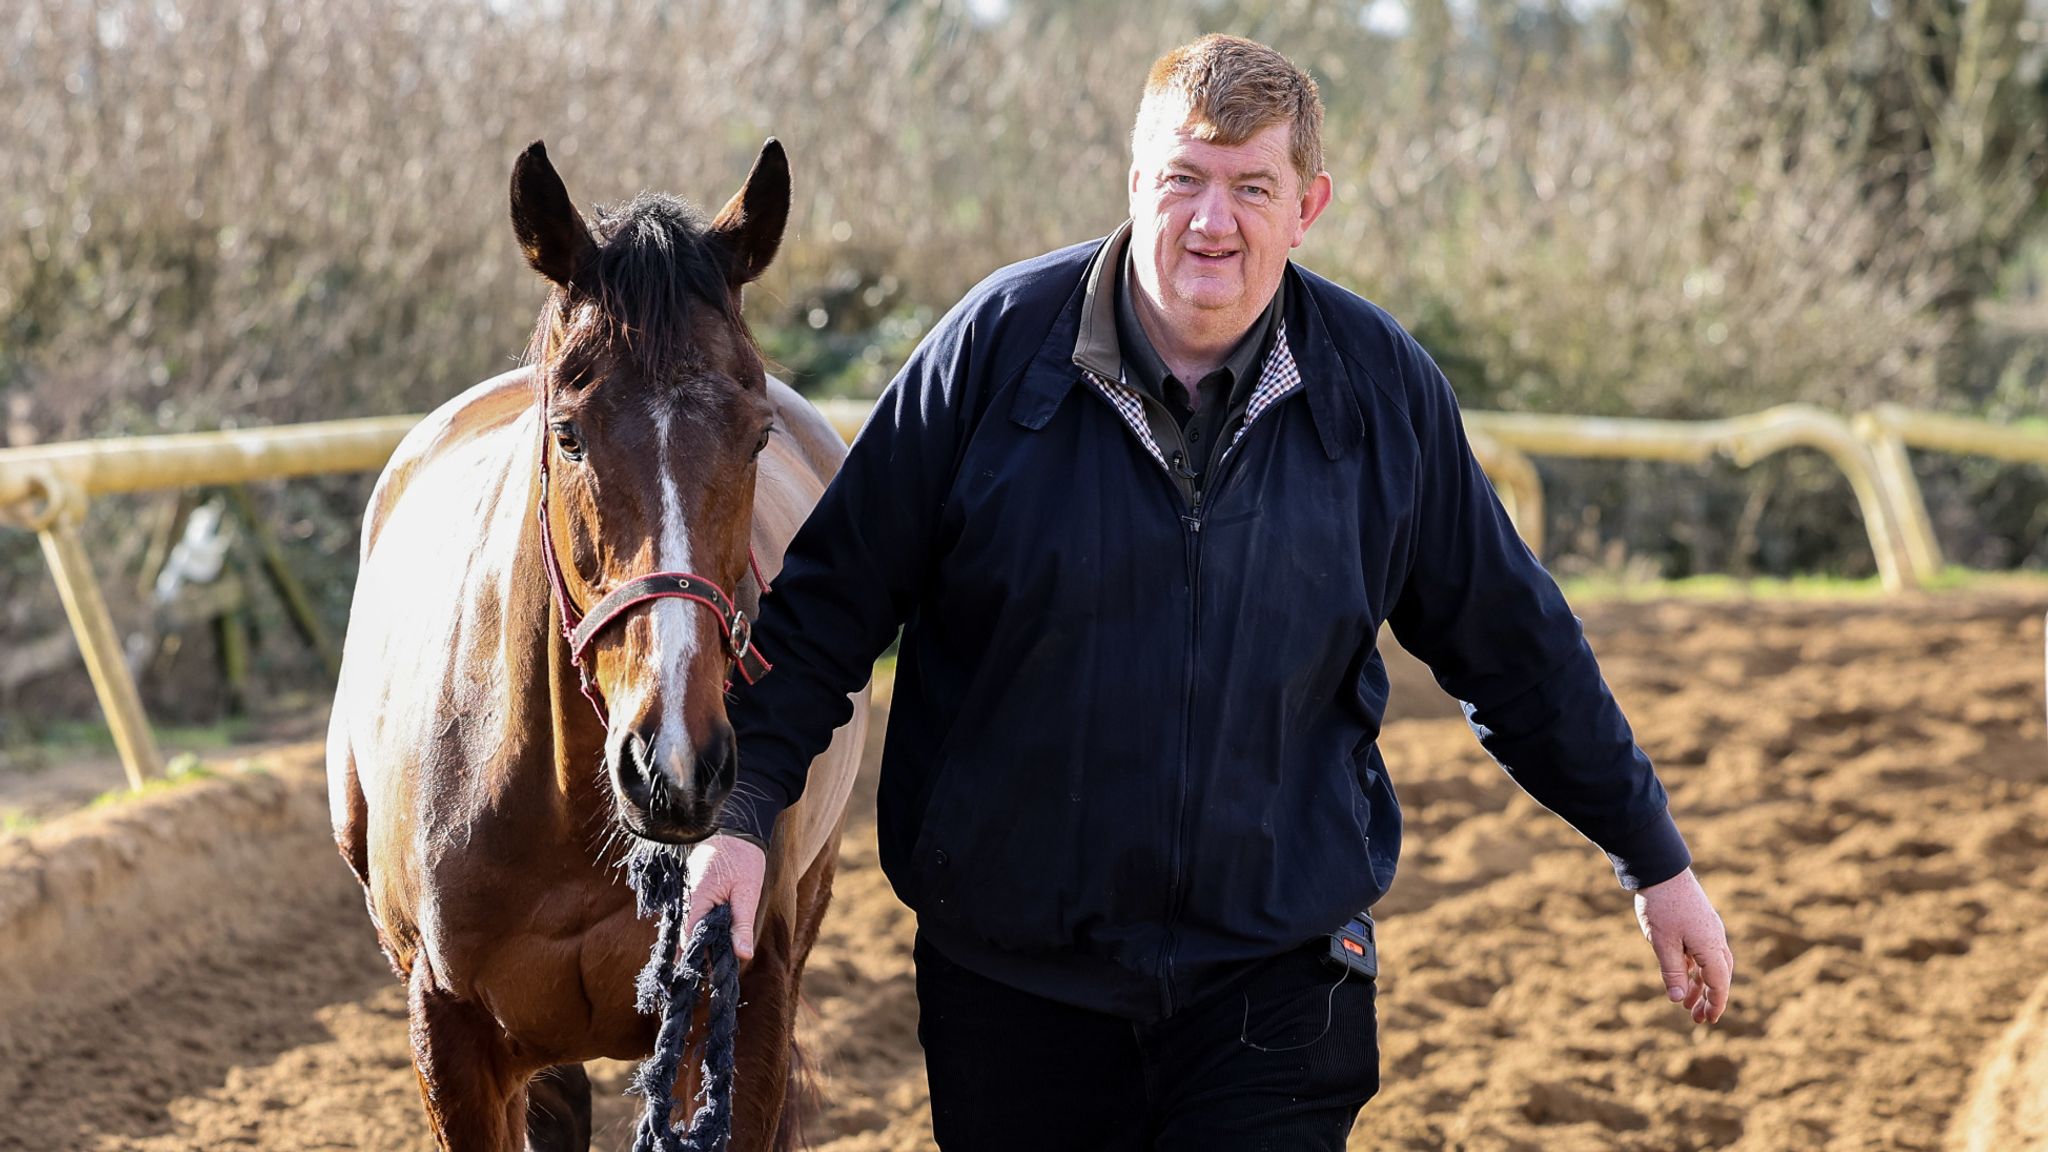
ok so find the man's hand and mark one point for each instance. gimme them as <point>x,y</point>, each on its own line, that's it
<point>727,870</point>
<point>1691,945</point>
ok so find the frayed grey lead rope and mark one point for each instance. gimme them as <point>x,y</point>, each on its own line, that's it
<point>668,987</point>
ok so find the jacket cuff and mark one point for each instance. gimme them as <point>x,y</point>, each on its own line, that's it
<point>751,809</point>
<point>1649,855</point>
<point>749,837</point>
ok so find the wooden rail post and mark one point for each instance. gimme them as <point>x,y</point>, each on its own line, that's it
<point>1894,472</point>
<point>1742,439</point>
<point>1775,429</point>
<point>56,525</point>
<point>44,488</point>
<point>1891,429</point>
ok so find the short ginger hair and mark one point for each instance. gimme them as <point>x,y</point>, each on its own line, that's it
<point>1226,90</point>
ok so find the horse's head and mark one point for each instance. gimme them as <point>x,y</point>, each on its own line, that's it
<point>656,410</point>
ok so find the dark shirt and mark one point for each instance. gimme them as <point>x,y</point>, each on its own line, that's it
<point>1189,424</point>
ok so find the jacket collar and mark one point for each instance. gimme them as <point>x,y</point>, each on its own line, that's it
<point>1052,372</point>
<point>1097,346</point>
<point>1333,406</point>
<point>1332,401</point>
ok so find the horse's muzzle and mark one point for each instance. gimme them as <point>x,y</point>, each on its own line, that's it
<point>660,802</point>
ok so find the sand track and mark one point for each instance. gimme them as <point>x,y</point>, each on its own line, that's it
<point>1866,788</point>
<point>2008,1109</point>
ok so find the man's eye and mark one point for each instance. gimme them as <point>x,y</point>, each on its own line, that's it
<point>1180,180</point>
<point>1255,192</point>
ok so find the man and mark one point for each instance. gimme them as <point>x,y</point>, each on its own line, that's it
<point>1140,507</point>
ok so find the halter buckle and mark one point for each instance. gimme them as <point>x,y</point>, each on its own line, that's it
<point>742,635</point>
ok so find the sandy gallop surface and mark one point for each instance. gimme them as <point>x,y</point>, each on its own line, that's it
<point>1865,788</point>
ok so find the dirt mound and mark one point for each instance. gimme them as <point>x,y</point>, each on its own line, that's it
<point>142,884</point>
<point>2008,1111</point>
<point>1864,787</point>
<point>154,952</point>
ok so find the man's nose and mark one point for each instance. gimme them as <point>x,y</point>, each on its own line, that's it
<point>1214,214</point>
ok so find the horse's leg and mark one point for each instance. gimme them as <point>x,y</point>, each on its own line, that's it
<point>350,814</point>
<point>767,1030</point>
<point>475,1102</point>
<point>768,1091</point>
<point>814,893</point>
<point>558,1110</point>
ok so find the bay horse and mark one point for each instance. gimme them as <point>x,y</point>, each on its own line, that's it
<point>486,807</point>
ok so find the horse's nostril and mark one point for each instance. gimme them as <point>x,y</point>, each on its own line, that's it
<point>719,763</point>
<point>642,770</point>
<point>728,769</point>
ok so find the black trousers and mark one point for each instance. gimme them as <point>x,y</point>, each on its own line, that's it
<point>1280,1056</point>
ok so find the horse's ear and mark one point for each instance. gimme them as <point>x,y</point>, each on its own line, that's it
<point>751,223</point>
<point>551,231</point>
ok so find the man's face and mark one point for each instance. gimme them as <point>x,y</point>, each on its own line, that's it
<point>1212,225</point>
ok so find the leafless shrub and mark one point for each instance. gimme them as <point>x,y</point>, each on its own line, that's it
<point>243,211</point>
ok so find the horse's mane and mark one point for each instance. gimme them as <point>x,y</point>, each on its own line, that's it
<point>654,258</point>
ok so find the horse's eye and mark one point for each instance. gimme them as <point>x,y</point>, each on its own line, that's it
<point>763,442</point>
<point>568,439</point>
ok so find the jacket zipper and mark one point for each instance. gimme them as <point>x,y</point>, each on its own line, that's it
<point>1176,892</point>
<point>1191,522</point>
<point>1176,882</point>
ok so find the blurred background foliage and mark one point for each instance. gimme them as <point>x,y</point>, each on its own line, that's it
<point>233,212</point>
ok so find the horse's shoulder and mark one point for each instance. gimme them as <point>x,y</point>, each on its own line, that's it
<point>818,442</point>
<point>438,568</point>
<point>478,410</point>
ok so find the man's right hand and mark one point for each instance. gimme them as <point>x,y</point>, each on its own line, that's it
<point>727,870</point>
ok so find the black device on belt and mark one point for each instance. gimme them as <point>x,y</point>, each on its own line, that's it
<point>1351,947</point>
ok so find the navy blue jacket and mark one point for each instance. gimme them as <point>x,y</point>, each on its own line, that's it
<point>1133,741</point>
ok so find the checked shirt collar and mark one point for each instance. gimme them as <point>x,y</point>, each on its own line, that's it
<point>1277,379</point>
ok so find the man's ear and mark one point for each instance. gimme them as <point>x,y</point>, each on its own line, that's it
<point>551,232</point>
<point>1314,199</point>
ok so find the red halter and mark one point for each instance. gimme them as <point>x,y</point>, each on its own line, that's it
<point>579,630</point>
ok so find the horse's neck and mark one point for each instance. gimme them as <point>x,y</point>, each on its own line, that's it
<point>548,686</point>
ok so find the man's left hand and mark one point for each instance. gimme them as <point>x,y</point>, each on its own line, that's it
<point>1690,943</point>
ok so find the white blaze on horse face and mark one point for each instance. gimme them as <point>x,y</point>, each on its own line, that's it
<point>675,621</point>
